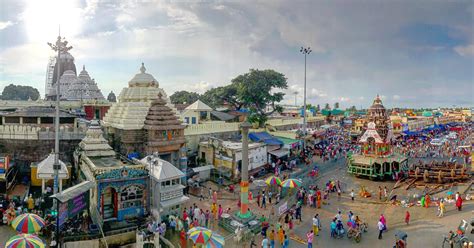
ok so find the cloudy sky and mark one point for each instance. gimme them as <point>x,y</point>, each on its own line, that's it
<point>413,53</point>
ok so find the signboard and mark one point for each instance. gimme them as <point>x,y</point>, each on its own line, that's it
<point>62,213</point>
<point>3,165</point>
<point>73,207</point>
<point>283,208</point>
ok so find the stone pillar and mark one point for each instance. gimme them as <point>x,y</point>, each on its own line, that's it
<point>38,120</point>
<point>21,120</point>
<point>244,175</point>
<point>42,186</point>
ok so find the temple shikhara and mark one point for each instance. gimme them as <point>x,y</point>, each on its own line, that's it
<point>376,159</point>
<point>144,121</point>
<point>72,86</point>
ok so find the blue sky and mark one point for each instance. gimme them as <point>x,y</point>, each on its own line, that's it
<point>413,53</point>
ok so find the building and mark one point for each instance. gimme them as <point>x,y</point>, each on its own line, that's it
<point>67,64</point>
<point>166,188</point>
<point>417,123</point>
<point>196,113</point>
<point>144,121</point>
<point>96,109</point>
<point>226,156</point>
<point>27,134</point>
<point>397,124</point>
<point>358,125</point>
<point>79,88</point>
<point>72,86</point>
<point>121,186</point>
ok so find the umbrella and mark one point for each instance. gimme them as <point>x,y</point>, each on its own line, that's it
<point>216,241</point>
<point>291,183</point>
<point>25,241</point>
<point>28,223</point>
<point>199,235</point>
<point>449,193</point>
<point>272,180</point>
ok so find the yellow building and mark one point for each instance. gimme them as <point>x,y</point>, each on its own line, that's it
<point>227,155</point>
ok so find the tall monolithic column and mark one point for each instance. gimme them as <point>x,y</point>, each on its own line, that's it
<point>244,179</point>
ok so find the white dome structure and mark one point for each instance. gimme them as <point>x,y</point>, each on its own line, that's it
<point>130,111</point>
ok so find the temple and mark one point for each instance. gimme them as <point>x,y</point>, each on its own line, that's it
<point>143,121</point>
<point>376,160</point>
<point>72,87</point>
<point>120,185</point>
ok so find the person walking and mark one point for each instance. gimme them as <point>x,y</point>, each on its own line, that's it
<point>459,203</point>
<point>309,238</point>
<point>442,208</point>
<point>352,194</point>
<point>407,217</point>
<point>271,237</point>
<point>381,227</point>
<point>264,203</point>
<point>286,243</point>
<point>316,224</point>
<point>265,242</point>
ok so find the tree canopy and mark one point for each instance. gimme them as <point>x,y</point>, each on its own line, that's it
<point>336,105</point>
<point>256,91</point>
<point>20,92</point>
<point>180,97</point>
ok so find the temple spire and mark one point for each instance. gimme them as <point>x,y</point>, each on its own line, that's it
<point>143,69</point>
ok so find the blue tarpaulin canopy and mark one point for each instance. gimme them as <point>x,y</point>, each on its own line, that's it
<point>265,138</point>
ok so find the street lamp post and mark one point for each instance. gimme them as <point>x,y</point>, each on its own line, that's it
<point>61,47</point>
<point>304,51</point>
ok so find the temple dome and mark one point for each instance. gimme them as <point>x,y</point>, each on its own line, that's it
<point>134,102</point>
<point>143,79</point>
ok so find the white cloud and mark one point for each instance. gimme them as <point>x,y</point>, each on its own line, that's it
<point>4,25</point>
<point>200,87</point>
<point>396,97</point>
<point>466,51</point>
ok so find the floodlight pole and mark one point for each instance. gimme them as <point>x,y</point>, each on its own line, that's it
<point>60,46</point>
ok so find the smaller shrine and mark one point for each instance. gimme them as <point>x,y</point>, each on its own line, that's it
<point>120,185</point>
<point>43,173</point>
<point>166,187</point>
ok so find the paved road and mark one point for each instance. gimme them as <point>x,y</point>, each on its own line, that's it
<point>5,233</point>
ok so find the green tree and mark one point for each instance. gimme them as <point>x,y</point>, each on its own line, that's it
<point>180,97</point>
<point>318,108</point>
<point>256,91</point>
<point>336,105</point>
<point>353,109</point>
<point>327,107</point>
<point>20,92</point>
<point>223,95</point>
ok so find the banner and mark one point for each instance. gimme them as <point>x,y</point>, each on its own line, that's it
<point>283,208</point>
<point>73,207</point>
